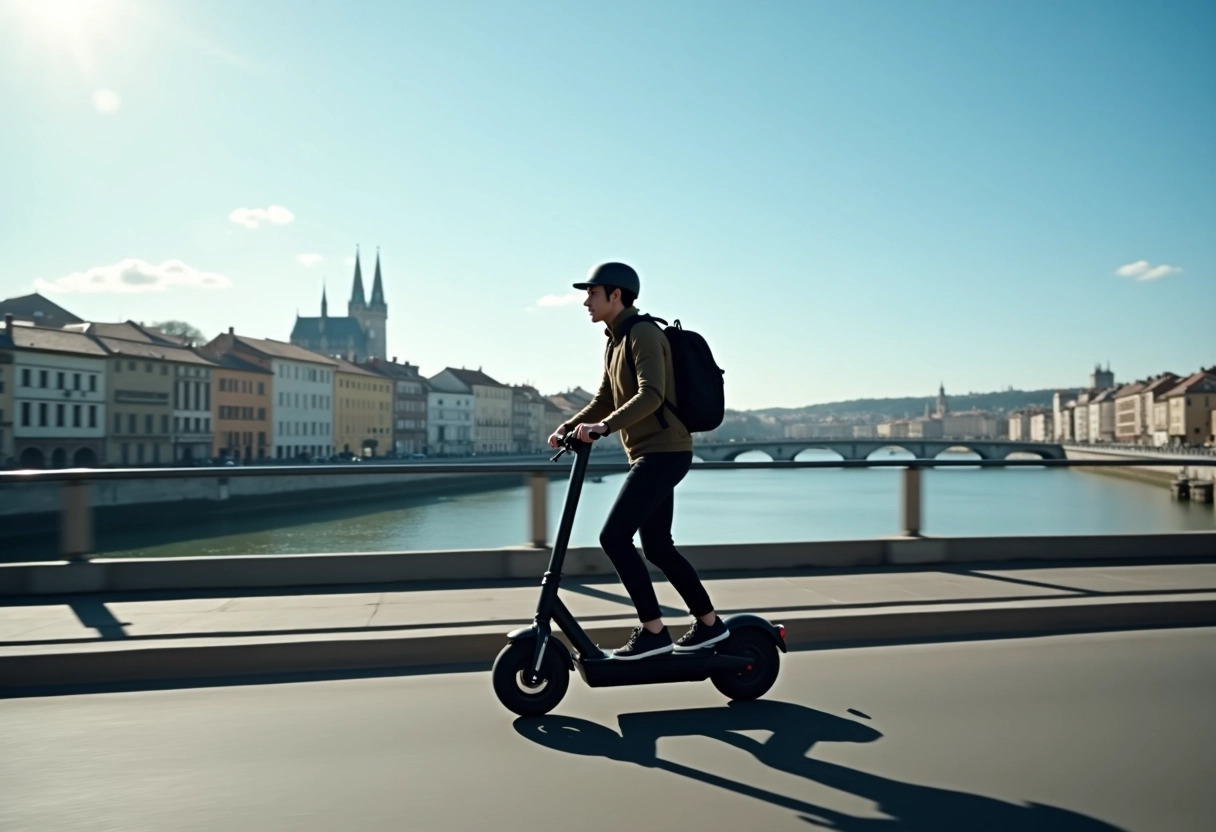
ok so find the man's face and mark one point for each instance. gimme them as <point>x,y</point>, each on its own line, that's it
<point>598,305</point>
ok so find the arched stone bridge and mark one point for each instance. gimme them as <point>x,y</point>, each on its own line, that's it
<point>784,450</point>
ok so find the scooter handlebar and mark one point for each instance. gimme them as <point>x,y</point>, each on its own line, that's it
<point>570,442</point>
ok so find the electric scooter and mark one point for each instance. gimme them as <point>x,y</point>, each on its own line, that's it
<point>532,673</point>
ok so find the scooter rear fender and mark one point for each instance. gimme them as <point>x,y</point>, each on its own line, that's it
<point>741,621</point>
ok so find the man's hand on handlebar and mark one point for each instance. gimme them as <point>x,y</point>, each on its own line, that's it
<point>590,432</point>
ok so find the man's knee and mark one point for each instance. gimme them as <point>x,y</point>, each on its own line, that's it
<point>613,539</point>
<point>658,549</point>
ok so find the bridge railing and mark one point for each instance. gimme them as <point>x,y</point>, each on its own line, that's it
<point>76,508</point>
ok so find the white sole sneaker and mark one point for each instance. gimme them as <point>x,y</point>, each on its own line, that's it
<point>694,648</point>
<point>658,651</point>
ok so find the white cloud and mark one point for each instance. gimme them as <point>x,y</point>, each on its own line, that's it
<point>1143,270</point>
<point>308,260</point>
<point>135,276</point>
<point>106,101</point>
<point>561,300</point>
<point>350,261</point>
<point>253,217</point>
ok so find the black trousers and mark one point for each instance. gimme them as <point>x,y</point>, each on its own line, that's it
<point>646,504</point>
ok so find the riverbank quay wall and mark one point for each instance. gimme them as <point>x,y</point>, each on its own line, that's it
<point>1172,464</point>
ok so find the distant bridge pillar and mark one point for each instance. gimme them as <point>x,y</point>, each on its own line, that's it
<point>539,484</point>
<point>911,501</point>
<point>75,520</point>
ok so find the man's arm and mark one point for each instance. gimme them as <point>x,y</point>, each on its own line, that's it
<point>597,408</point>
<point>649,353</point>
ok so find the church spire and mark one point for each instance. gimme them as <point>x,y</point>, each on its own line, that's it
<point>377,285</point>
<point>324,301</point>
<point>357,300</point>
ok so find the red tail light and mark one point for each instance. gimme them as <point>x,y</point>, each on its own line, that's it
<point>780,630</point>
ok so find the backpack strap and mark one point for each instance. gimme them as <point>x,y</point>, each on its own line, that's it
<point>633,369</point>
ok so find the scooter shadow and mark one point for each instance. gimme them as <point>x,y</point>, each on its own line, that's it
<point>795,730</point>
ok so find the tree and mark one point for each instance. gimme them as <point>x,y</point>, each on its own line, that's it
<point>181,329</point>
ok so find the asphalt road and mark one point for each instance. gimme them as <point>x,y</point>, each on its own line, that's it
<point>1098,732</point>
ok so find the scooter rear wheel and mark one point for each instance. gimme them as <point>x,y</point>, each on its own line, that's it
<point>512,688</point>
<point>764,662</point>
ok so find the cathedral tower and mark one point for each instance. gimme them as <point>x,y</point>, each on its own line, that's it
<point>372,317</point>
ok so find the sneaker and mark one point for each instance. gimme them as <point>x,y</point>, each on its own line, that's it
<point>643,643</point>
<point>699,636</point>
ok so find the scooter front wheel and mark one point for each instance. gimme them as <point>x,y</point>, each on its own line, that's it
<point>512,688</point>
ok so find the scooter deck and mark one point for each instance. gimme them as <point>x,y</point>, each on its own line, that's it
<point>602,671</point>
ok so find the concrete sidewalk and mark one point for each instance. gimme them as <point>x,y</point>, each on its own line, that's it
<point>102,638</point>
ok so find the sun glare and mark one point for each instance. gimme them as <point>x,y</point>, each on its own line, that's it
<point>67,20</point>
<point>61,15</point>
<point>75,27</point>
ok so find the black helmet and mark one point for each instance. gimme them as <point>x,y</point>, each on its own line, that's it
<point>612,274</point>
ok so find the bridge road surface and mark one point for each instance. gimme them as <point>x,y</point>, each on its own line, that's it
<point>1093,732</point>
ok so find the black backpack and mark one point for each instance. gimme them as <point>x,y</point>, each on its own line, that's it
<point>699,383</point>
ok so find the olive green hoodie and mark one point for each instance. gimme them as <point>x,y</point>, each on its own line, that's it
<point>627,402</point>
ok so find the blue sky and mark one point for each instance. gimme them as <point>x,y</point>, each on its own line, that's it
<point>848,199</point>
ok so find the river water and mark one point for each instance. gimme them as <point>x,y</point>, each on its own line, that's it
<point>711,507</point>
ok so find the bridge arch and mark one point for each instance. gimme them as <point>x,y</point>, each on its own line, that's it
<point>734,454</point>
<point>1025,453</point>
<point>960,449</point>
<point>816,453</point>
<point>892,449</point>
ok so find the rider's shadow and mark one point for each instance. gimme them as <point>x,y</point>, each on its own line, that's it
<point>795,729</point>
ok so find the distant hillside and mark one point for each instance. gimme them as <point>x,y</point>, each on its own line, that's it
<point>770,421</point>
<point>1002,402</point>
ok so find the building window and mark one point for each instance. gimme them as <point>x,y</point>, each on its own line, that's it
<point>25,378</point>
<point>92,415</point>
<point>147,424</point>
<point>261,388</point>
<point>42,378</point>
<point>76,381</point>
<point>164,423</point>
<point>118,423</point>
<point>25,414</point>
<point>76,415</point>
<point>92,384</point>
